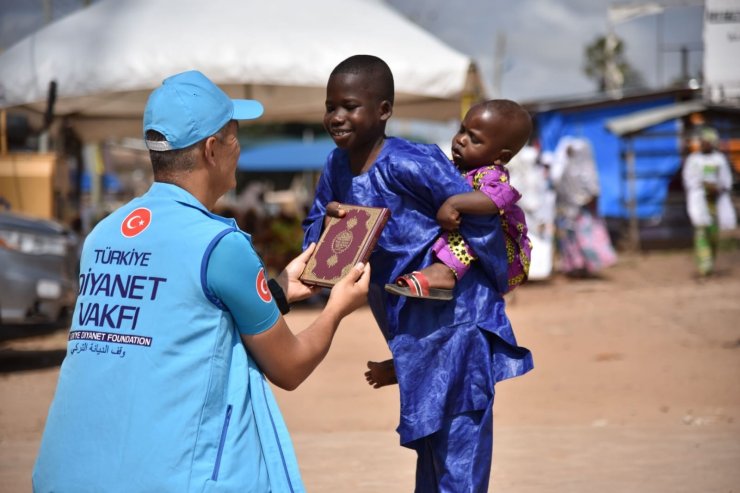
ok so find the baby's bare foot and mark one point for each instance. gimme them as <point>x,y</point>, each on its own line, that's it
<point>439,276</point>
<point>381,373</point>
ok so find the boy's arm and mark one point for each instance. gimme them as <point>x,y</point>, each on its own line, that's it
<point>482,233</point>
<point>431,179</point>
<point>313,224</point>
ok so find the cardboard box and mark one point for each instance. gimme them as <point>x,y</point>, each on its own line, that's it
<point>27,182</point>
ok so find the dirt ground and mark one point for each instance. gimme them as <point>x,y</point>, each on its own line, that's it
<point>636,388</point>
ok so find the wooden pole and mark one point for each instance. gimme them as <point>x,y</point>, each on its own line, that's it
<point>3,132</point>
<point>472,90</point>
<point>634,222</point>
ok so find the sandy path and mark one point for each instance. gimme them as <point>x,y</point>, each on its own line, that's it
<point>636,388</point>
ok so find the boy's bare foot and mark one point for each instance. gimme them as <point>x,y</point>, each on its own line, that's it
<point>381,373</point>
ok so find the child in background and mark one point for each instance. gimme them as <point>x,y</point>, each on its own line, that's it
<point>447,356</point>
<point>491,134</point>
<point>707,179</point>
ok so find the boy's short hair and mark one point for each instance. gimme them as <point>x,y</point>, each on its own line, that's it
<point>373,68</point>
<point>521,120</point>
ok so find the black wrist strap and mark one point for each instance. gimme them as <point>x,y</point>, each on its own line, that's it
<point>279,295</point>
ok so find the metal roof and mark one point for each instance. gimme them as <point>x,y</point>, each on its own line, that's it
<point>639,120</point>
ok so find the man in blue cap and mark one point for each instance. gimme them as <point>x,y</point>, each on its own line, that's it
<point>176,326</point>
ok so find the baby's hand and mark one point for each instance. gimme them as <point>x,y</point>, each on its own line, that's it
<point>448,217</point>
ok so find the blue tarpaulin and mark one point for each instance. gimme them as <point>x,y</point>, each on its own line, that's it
<point>657,153</point>
<point>286,155</point>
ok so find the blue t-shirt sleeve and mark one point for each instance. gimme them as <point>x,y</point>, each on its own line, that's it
<point>237,277</point>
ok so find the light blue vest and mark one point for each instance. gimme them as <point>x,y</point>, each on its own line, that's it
<point>157,392</point>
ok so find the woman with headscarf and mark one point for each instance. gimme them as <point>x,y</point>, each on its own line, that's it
<point>583,242</point>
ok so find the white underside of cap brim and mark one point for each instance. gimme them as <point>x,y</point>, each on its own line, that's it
<point>158,145</point>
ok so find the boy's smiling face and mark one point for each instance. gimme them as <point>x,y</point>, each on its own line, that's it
<point>355,115</point>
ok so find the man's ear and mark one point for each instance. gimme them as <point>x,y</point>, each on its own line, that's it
<point>208,150</point>
<point>386,110</point>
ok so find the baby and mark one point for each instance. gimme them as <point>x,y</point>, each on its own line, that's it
<point>491,133</point>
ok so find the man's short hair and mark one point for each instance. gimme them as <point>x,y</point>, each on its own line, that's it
<point>373,68</point>
<point>165,163</point>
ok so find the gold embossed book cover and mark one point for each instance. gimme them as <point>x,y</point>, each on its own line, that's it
<point>344,242</point>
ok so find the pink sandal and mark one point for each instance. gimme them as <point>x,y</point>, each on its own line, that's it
<point>416,285</point>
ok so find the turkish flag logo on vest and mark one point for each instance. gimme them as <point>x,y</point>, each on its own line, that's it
<point>262,290</point>
<point>136,222</point>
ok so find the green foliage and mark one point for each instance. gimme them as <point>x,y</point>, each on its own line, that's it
<point>596,60</point>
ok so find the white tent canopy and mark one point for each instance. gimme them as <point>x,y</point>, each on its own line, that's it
<point>106,58</point>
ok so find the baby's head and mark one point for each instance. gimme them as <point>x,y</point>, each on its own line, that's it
<point>491,132</point>
<point>359,101</point>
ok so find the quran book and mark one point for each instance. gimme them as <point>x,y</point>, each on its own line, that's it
<point>344,242</point>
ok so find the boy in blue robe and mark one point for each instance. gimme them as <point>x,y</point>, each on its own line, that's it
<point>447,356</point>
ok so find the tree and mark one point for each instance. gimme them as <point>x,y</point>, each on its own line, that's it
<point>606,64</point>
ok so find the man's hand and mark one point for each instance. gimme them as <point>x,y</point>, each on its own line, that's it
<point>448,217</point>
<point>287,358</point>
<point>350,292</point>
<point>294,289</point>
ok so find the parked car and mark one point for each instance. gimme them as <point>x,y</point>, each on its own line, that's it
<point>39,262</point>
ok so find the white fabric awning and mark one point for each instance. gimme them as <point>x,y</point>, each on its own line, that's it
<point>106,58</point>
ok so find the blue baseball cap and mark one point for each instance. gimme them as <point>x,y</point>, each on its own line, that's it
<point>188,108</point>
